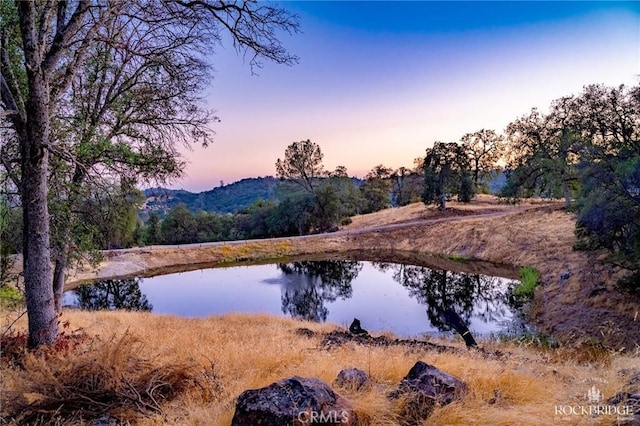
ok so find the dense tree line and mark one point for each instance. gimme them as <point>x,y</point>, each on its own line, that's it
<point>586,150</point>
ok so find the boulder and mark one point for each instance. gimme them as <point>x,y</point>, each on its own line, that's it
<point>424,387</point>
<point>293,401</point>
<point>352,378</point>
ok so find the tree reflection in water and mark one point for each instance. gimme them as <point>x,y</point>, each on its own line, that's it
<point>312,284</point>
<point>113,294</point>
<point>482,296</point>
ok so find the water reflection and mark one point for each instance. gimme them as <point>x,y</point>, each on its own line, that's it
<point>113,294</point>
<point>407,300</point>
<point>466,295</point>
<point>311,285</point>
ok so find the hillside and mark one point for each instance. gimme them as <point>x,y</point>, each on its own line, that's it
<point>224,199</point>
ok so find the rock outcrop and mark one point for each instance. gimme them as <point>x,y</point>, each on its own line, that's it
<point>352,378</point>
<point>424,387</point>
<point>293,401</point>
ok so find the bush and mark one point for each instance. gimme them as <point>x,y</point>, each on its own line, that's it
<point>630,283</point>
<point>524,291</point>
<point>10,296</point>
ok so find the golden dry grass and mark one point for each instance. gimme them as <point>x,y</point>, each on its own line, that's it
<point>251,351</point>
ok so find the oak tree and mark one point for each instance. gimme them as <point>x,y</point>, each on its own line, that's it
<point>484,148</point>
<point>138,67</point>
<point>446,172</point>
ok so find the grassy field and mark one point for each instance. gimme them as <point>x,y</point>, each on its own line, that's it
<point>196,369</point>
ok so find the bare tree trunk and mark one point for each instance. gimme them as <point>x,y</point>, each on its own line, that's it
<point>38,277</point>
<point>566,193</point>
<point>443,196</point>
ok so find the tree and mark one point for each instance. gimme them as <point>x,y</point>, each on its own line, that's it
<point>376,189</point>
<point>407,186</point>
<point>153,232</point>
<point>47,48</point>
<point>609,172</point>
<point>179,226</point>
<point>446,171</point>
<point>302,165</point>
<point>544,151</point>
<point>484,148</point>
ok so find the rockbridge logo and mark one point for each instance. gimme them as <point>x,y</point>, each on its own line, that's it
<point>594,407</point>
<point>594,395</point>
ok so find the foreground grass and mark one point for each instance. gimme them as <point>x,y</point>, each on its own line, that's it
<point>189,371</point>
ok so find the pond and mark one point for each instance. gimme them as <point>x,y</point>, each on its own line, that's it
<point>404,299</point>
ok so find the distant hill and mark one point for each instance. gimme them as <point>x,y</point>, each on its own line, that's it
<point>223,199</point>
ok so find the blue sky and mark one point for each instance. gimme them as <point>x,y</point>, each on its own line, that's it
<point>379,82</point>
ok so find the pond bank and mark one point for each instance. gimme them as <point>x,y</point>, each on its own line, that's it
<point>577,302</point>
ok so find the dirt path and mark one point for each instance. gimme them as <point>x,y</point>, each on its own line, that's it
<point>577,301</point>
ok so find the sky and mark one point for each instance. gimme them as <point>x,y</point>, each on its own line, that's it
<point>379,82</point>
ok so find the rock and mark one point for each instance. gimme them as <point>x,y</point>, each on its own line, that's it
<point>352,378</point>
<point>305,332</point>
<point>355,327</point>
<point>105,420</point>
<point>565,276</point>
<point>423,387</point>
<point>294,401</point>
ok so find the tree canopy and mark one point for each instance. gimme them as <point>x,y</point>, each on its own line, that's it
<point>108,89</point>
<point>484,148</point>
<point>447,172</point>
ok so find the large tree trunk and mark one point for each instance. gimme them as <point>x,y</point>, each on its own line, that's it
<point>38,278</point>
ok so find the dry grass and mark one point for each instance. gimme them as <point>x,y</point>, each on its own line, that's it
<point>481,204</point>
<point>251,351</point>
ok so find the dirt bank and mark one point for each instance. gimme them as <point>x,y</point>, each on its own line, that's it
<point>577,302</point>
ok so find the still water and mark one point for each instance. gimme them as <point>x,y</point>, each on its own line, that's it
<point>404,299</point>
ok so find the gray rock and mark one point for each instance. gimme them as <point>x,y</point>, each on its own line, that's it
<point>352,378</point>
<point>294,401</point>
<point>424,387</point>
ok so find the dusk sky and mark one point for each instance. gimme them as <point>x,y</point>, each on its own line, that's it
<point>379,82</point>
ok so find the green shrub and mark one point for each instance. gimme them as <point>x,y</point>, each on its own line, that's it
<point>528,282</point>
<point>10,296</point>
